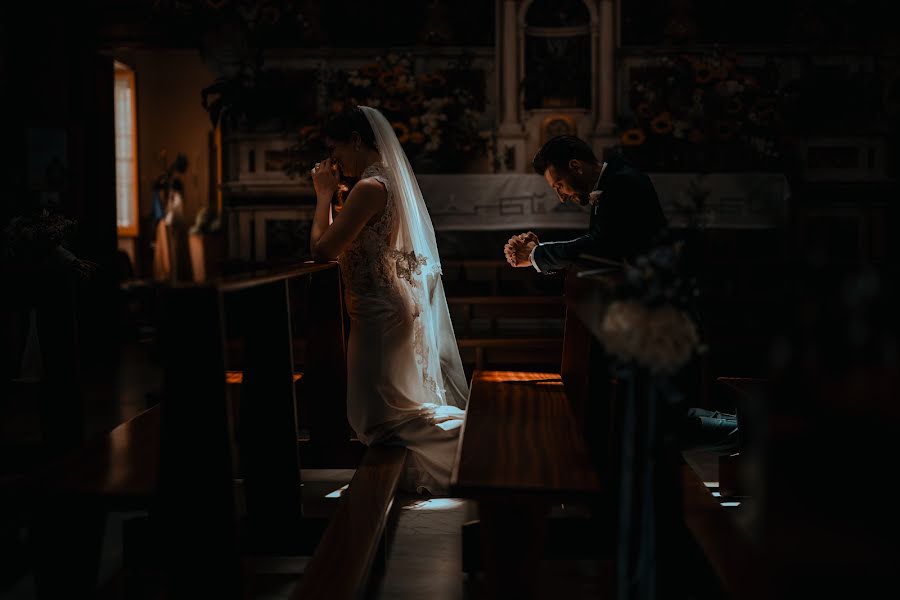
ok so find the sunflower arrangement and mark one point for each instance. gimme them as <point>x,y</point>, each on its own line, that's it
<point>702,112</point>
<point>435,114</point>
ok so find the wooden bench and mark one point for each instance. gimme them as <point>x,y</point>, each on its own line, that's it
<point>523,419</point>
<point>699,547</point>
<point>532,426</point>
<point>494,277</point>
<point>734,560</point>
<point>539,313</point>
<point>538,423</point>
<point>606,433</point>
<point>118,468</point>
<point>72,496</point>
<point>520,452</point>
<point>747,396</point>
<point>479,352</point>
<point>340,567</point>
<point>177,459</point>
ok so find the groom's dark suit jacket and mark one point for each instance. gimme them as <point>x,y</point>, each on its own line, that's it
<point>625,221</point>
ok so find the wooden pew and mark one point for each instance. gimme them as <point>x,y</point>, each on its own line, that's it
<point>668,533</point>
<point>493,277</point>
<point>464,309</point>
<point>698,547</point>
<point>340,567</point>
<point>504,317</point>
<point>748,395</point>
<point>523,422</point>
<point>733,558</point>
<point>176,459</point>
<point>118,469</point>
<point>72,496</point>
<point>533,426</point>
<point>479,352</point>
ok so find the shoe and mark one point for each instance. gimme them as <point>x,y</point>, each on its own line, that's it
<point>709,431</point>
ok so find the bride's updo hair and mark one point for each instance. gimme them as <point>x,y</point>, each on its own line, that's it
<point>341,126</point>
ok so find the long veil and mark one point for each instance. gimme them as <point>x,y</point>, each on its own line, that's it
<point>419,273</point>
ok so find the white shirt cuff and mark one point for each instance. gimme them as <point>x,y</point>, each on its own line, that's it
<point>531,258</point>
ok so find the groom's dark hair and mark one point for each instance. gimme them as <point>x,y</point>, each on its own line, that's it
<point>341,126</point>
<point>559,151</point>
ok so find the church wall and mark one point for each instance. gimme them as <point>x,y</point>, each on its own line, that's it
<point>171,120</point>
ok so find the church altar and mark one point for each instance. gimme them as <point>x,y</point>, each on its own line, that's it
<point>525,201</point>
<point>513,202</point>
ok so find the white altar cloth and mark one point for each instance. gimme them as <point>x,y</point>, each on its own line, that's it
<point>525,201</point>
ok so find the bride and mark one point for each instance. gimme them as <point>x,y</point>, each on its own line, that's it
<point>405,380</point>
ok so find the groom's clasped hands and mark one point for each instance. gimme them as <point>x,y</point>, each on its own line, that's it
<point>518,249</point>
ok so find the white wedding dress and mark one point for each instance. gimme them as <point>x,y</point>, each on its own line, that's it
<point>405,382</point>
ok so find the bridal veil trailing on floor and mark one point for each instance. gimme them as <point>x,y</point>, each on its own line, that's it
<point>406,383</point>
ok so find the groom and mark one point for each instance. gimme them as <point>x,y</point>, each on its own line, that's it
<point>626,221</point>
<point>626,218</point>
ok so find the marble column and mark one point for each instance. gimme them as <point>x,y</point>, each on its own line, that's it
<point>511,134</point>
<point>604,129</point>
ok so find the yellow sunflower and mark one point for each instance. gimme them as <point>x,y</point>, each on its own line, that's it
<point>309,131</point>
<point>764,107</point>
<point>387,80</point>
<point>725,130</point>
<point>633,137</point>
<point>432,79</point>
<point>729,63</point>
<point>402,131</point>
<point>662,123</point>
<point>696,136</point>
<point>392,105</point>
<point>703,73</point>
<point>370,71</point>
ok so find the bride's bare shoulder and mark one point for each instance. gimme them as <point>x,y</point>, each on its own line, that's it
<point>370,191</point>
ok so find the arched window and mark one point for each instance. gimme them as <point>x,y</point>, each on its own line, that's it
<point>557,13</point>
<point>557,55</point>
<point>126,150</point>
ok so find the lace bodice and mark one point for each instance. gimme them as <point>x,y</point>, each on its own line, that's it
<point>366,266</point>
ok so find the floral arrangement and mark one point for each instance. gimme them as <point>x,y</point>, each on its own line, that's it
<point>662,339</point>
<point>650,323</point>
<point>34,236</point>
<point>695,112</point>
<point>435,114</point>
<point>35,239</point>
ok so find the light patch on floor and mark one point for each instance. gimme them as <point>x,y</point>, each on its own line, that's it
<point>338,492</point>
<point>435,504</point>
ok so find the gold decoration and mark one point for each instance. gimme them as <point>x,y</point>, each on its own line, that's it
<point>555,125</point>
